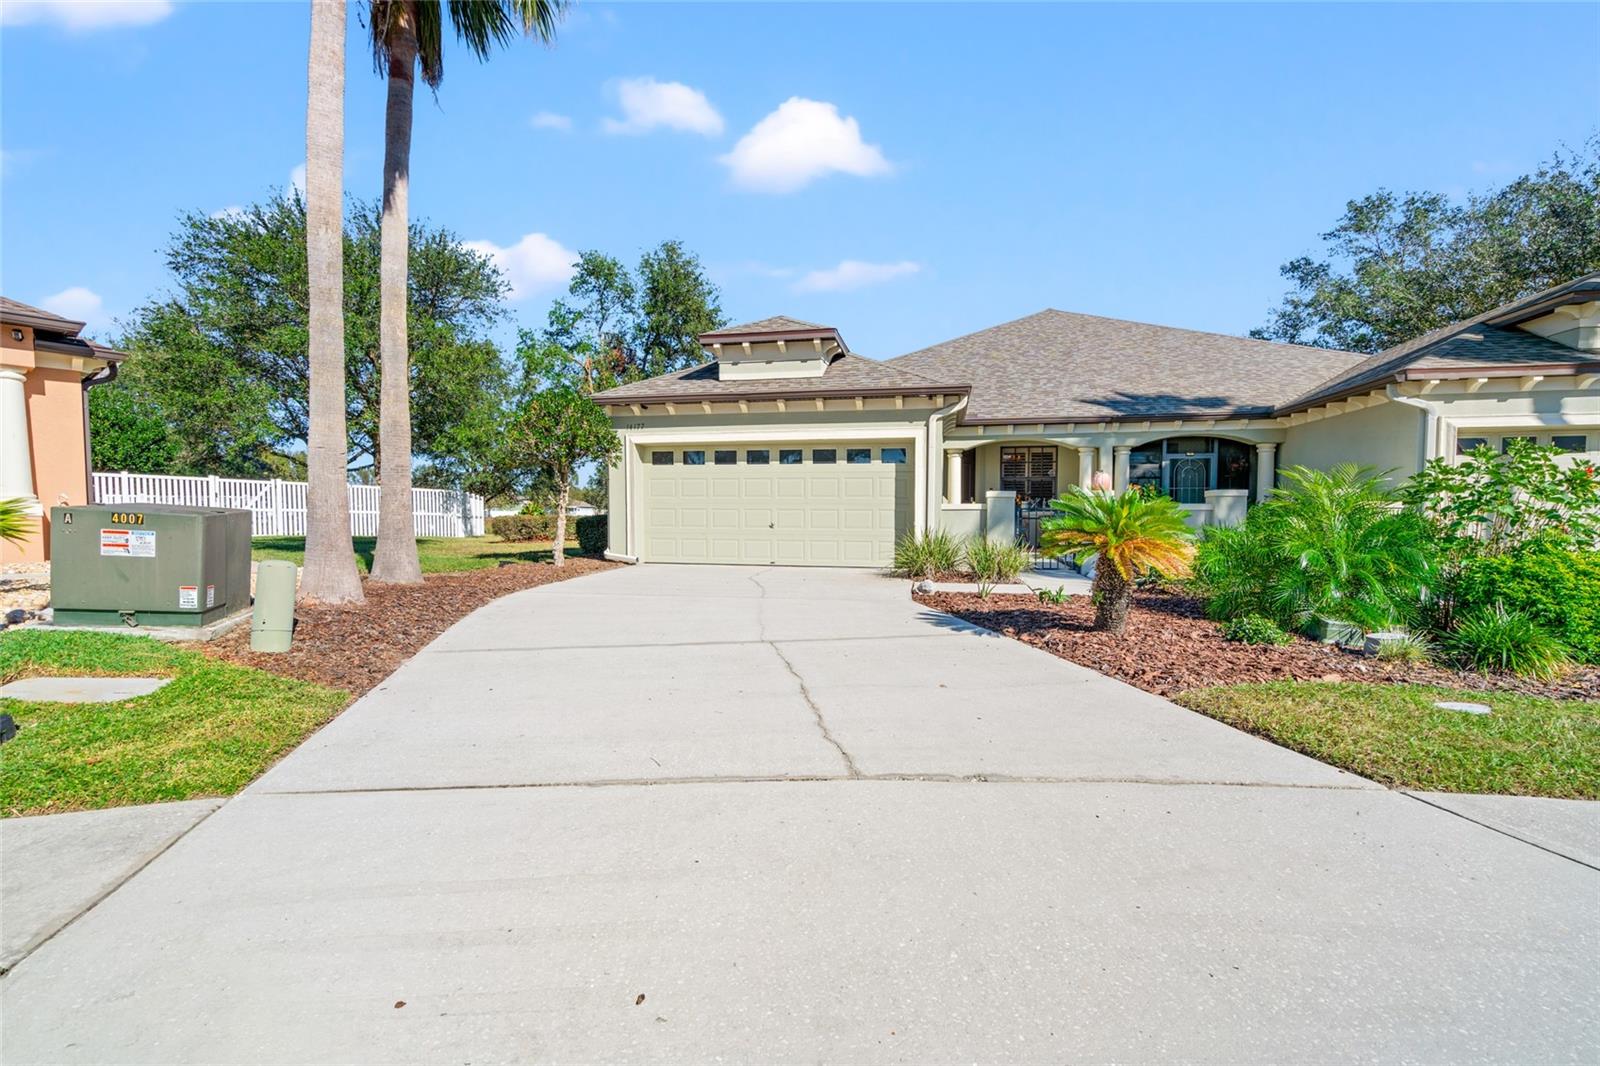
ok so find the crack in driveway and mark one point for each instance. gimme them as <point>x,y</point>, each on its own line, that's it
<point>805,692</point>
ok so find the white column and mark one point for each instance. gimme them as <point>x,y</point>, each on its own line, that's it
<point>952,477</point>
<point>1085,467</point>
<point>16,456</point>
<point>1103,462</point>
<point>1266,470</point>
<point>1119,470</point>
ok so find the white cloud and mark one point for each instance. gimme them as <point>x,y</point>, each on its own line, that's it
<point>799,142</point>
<point>536,263</point>
<point>854,274</point>
<point>297,179</point>
<point>549,120</point>
<point>648,104</point>
<point>232,212</point>
<point>77,303</point>
<point>84,15</point>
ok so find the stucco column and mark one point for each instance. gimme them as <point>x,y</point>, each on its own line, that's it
<point>1085,468</point>
<point>1103,461</point>
<point>1266,470</point>
<point>16,457</point>
<point>952,477</point>
<point>1119,469</point>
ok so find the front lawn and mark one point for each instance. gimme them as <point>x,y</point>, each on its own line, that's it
<point>438,555</point>
<point>208,733</point>
<point>1393,734</point>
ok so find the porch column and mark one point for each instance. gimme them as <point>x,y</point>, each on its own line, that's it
<point>1085,468</point>
<point>1119,471</point>
<point>1266,470</point>
<point>952,477</point>
<point>1103,462</point>
<point>16,456</point>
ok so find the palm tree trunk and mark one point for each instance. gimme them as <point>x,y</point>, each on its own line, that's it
<point>1112,595</point>
<point>561,523</point>
<point>330,574</point>
<point>395,558</point>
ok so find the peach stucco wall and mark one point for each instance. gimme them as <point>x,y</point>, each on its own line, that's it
<point>55,439</point>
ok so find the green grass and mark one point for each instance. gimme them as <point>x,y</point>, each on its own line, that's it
<point>208,733</point>
<point>1393,734</point>
<point>438,555</point>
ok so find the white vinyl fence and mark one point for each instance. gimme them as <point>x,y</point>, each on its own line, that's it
<point>278,508</point>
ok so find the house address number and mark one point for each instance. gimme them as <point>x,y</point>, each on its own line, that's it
<point>127,518</point>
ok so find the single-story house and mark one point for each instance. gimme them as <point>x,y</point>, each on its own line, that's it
<point>788,448</point>
<point>46,370</point>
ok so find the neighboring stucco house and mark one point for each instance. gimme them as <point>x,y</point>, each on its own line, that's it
<point>46,370</point>
<point>786,448</point>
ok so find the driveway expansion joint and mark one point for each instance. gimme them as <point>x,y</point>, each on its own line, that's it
<point>1497,829</point>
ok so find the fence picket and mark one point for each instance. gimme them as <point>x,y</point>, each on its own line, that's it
<point>278,508</point>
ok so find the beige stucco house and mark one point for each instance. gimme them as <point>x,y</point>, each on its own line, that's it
<point>46,370</point>
<point>787,448</point>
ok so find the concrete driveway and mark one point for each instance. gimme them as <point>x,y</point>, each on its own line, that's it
<point>687,814</point>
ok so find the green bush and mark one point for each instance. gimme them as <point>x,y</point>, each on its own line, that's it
<point>1494,639</point>
<point>995,562</point>
<point>1560,590</point>
<point>927,554</point>
<point>593,534</point>
<point>1328,544</point>
<point>1485,503</point>
<point>518,527</point>
<point>1254,629</point>
<point>1410,648</point>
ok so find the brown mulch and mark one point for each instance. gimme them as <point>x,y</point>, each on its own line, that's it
<point>1170,646</point>
<point>354,648</point>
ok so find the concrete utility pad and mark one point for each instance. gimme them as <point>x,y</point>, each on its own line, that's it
<point>1569,827</point>
<point>81,689</point>
<point>55,866</point>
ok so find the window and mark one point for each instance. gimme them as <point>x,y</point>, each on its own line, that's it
<point>1467,444</point>
<point>1505,443</point>
<point>694,458</point>
<point>789,456</point>
<point>757,456</point>
<point>1029,472</point>
<point>1573,442</point>
<point>824,455</point>
<point>725,458</point>
<point>660,458</point>
<point>858,455</point>
<point>1233,464</point>
<point>892,455</point>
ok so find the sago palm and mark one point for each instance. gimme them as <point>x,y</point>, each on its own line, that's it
<point>17,522</point>
<point>1131,534</point>
<point>330,574</point>
<point>406,35</point>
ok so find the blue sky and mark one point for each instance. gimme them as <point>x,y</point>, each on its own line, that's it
<point>907,173</point>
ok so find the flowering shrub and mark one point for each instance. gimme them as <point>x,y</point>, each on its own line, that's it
<point>1490,504</point>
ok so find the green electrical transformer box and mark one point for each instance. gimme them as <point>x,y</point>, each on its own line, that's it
<point>157,565</point>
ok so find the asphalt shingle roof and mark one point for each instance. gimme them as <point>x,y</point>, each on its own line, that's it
<point>1059,367</point>
<point>846,375</point>
<point>775,324</point>
<point>9,306</point>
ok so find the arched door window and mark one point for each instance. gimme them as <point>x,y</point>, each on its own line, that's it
<point>1190,477</point>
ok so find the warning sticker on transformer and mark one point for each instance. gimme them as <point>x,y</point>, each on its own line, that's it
<point>132,543</point>
<point>188,596</point>
<point>211,595</point>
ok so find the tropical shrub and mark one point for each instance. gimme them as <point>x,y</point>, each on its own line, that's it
<point>1497,639</point>
<point>593,533</point>
<point>523,526</point>
<point>1491,504</point>
<point>1131,534</point>
<point>1559,590</point>
<point>16,524</point>
<point>926,554</point>
<point>1410,648</point>
<point>1254,629</point>
<point>1327,544</point>
<point>995,562</point>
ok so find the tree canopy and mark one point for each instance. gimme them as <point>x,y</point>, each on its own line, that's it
<point>223,357</point>
<point>1398,265</point>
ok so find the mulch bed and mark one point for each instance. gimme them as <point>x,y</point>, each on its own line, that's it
<point>354,648</point>
<point>1170,646</point>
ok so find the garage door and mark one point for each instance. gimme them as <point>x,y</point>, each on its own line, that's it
<point>832,504</point>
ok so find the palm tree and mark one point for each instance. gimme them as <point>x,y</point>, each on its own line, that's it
<point>330,566</point>
<point>1132,534</point>
<point>17,522</point>
<point>407,34</point>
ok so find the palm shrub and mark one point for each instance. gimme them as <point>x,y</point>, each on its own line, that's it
<point>1327,544</point>
<point>1254,629</point>
<point>995,562</point>
<point>1498,639</point>
<point>926,554</point>
<point>1132,534</point>
<point>16,523</point>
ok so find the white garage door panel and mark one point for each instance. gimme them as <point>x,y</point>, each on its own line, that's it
<point>791,514</point>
